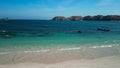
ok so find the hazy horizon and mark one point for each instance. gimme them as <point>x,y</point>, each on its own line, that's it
<point>47,9</point>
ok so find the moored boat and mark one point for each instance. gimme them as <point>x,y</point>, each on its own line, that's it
<point>103,29</point>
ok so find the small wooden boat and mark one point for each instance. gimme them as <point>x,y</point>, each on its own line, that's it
<point>103,29</point>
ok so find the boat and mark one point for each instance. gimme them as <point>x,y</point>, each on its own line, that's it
<point>103,29</point>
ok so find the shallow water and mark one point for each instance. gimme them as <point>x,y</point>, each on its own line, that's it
<point>33,35</point>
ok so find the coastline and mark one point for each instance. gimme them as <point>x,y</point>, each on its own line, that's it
<point>56,56</point>
<point>89,18</point>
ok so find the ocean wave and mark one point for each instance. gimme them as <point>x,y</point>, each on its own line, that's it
<point>101,46</point>
<point>37,51</point>
<point>78,48</point>
<point>62,49</point>
<point>4,53</point>
<point>104,46</point>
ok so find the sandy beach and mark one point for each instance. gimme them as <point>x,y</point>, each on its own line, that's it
<point>76,58</point>
<point>106,62</point>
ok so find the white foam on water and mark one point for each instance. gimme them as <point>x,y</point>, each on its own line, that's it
<point>37,51</point>
<point>4,52</point>
<point>47,50</point>
<point>64,49</point>
<point>103,46</point>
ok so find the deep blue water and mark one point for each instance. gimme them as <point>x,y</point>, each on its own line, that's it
<point>38,34</point>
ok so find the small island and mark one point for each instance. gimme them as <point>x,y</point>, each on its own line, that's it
<point>4,19</point>
<point>89,18</point>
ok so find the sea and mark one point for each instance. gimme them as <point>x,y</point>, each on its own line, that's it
<point>34,36</point>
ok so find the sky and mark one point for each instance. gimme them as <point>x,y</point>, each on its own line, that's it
<point>47,9</point>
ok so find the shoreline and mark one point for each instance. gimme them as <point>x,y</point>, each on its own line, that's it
<point>55,56</point>
<point>58,49</point>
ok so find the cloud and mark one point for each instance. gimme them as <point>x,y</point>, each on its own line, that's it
<point>104,2</point>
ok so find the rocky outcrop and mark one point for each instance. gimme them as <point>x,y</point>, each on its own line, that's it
<point>98,17</point>
<point>73,18</point>
<point>111,17</point>
<point>76,18</point>
<point>89,18</point>
<point>59,18</point>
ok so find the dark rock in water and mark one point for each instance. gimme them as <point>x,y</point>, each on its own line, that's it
<point>59,18</point>
<point>103,29</point>
<point>79,31</point>
<point>74,32</point>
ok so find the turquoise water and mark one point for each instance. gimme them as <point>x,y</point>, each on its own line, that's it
<point>27,35</point>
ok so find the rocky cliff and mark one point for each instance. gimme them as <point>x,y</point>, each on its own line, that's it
<point>59,18</point>
<point>89,18</point>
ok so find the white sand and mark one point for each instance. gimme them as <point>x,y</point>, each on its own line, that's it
<point>105,62</point>
<point>83,58</point>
